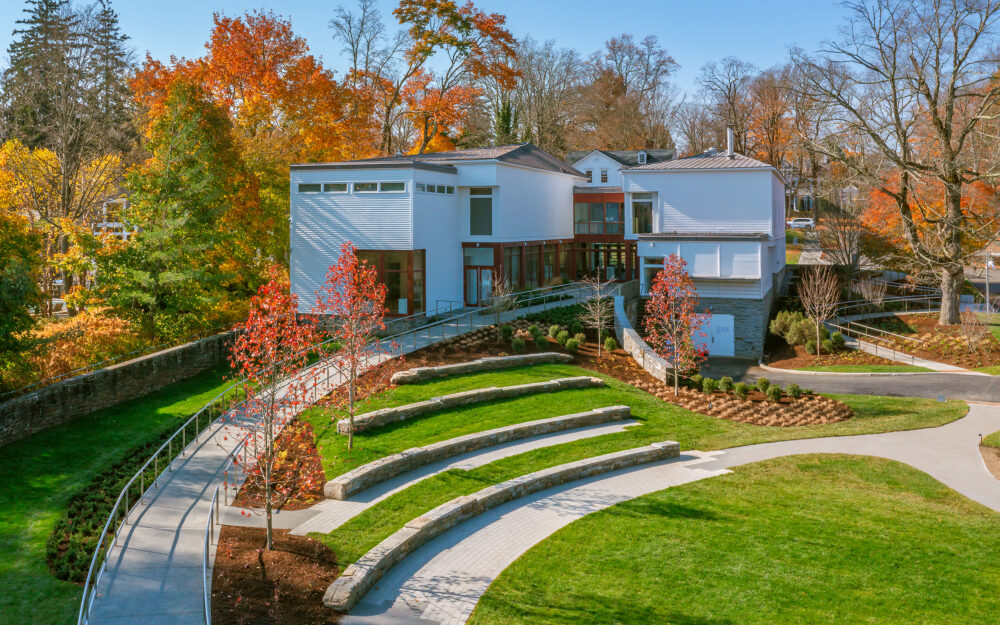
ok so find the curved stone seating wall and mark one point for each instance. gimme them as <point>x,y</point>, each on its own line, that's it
<point>368,475</point>
<point>490,363</point>
<point>358,578</point>
<point>386,416</point>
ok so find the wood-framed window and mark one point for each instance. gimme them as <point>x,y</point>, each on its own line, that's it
<point>598,218</point>
<point>604,176</point>
<point>403,274</point>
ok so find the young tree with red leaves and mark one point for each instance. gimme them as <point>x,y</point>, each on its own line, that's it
<point>270,356</point>
<point>354,299</point>
<point>672,322</point>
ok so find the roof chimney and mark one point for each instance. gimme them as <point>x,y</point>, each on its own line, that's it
<point>729,140</point>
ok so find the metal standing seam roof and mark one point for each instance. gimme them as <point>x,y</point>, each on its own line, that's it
<point>523,154</point>
<point>708,160</point>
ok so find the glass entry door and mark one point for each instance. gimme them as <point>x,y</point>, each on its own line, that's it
<point>478,285</point>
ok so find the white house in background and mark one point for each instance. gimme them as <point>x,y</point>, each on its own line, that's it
<point>442,228</point>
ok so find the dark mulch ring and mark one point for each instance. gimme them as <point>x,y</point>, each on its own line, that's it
<point>756,410</point>
<point>251,585</point>
<point>940,343</point>
<point>787,356</point>
<point>298,472</point>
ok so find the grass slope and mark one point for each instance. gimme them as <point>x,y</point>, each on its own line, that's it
<point>41,472</point>
<point>660,421</point>
<point>807,539</point>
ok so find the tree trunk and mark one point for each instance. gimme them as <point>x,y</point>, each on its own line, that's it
<point>951,289</point>
<point>350,405</point>
<point>818,350</point>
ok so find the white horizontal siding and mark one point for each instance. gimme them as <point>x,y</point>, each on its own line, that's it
<point>534,205</point>
<point>436,230</point>
<point>730,201</point>
<point>595,162</point>
<point>322,222</point>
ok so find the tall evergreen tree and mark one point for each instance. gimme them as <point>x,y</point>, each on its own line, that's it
<point>110,63</point>
<point>40,63</point>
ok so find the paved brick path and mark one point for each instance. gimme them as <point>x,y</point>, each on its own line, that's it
<point>442,581</point>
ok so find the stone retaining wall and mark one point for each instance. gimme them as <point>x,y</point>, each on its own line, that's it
<point>61,402</point>
<point>386,416</point>
<point>491,363</point>
<point>368,475</point>
<point>358,578</point>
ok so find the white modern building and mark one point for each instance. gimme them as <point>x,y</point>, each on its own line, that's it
<point>442,228</point>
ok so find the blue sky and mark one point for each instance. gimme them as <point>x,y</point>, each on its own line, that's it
<point>694,32</point>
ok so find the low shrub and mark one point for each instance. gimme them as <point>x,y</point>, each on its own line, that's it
<point>793,390</point>
<point>828,346</point>
<point>811,347</point>
<point>517,345</point>
<point>581,337</point>
<point>563,315</point>
<point>725,384</point>
<point>784,321</point>
<point>575,327</point>
<point>773,393</point>
<point>695,381</point>
<point>572,345</point>
<point>838,341</point>
<point>708,385</point>
<point>533,329</point>
<point>541,341</point>
<point>562,337</point>
<point>554,331</point>
<point>807,391</point>
<point>762,384</point>
<point>741,390</point>
<point>506,332</point>
<point>610,344</point>
<point>605,335</point>
<point>800,332</point>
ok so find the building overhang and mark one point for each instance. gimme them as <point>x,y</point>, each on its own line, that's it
<point>703,236</point>
<point>446,169</point>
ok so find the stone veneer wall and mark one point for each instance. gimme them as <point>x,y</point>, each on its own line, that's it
<point>750,318</point>
<point>358,578</point>
<point>490,363</point>
<point>377,471</point>
<point>61,402</point>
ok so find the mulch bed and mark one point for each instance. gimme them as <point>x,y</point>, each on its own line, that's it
<point>787,356</point>
<point>941,343</point>
<point>285,585</point>
<point>756,410</point>
<point>299,472</point>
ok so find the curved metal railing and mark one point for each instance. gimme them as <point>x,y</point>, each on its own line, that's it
<point>229,399</point>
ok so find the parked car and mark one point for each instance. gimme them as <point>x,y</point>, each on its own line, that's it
<point>804,223</point>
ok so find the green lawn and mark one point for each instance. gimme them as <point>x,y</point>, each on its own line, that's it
<point>868,368</point>
<point>791,235</point>
<point>993,440</point>
<point>41,472</point>
<point>992,369</point>
<point>660,421</point>
<point>792,256</point>
<point>806,539</point>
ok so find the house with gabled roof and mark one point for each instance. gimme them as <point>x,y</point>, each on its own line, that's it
<point>442,228</point>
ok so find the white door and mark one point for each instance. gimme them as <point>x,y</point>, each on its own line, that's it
<point>719,338</point>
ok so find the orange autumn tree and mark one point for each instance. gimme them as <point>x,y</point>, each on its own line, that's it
<point>474,45</point>
<point>284,107</point>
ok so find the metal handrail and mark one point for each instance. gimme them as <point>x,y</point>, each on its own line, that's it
<point>123,497</point>
<point>231,463</point>
<point>110,361</point>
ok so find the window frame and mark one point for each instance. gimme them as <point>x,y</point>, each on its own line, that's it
<point>381,184</point>
<point>604,176</point>
<point>589,173</point>
<point>300,185</point>
<point>642,157</point>
<point>643,197</point>
<point>354,187</point>
<point>326,186</point>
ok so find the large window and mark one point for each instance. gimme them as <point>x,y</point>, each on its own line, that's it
<point>480,211</point>
<point>598,218</point>
<point>642,213</point>
<point>402,273</point>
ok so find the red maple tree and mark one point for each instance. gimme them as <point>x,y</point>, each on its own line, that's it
<point>270,357</point>
<point>354,301</point>
<point>672,322</point>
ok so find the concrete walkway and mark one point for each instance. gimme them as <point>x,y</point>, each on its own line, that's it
<point>442,581</point>
<point>153,573</point>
